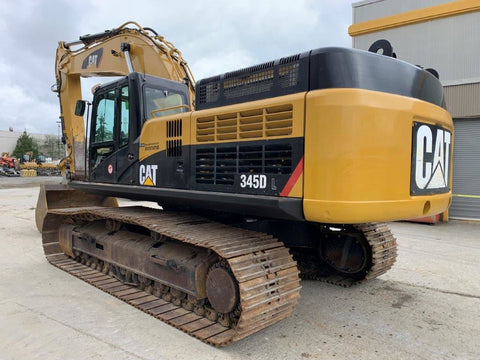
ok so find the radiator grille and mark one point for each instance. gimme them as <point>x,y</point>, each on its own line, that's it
<point>219,165</point>
<point>250,124</point>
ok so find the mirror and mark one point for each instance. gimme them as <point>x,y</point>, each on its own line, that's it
<point>80,107</point>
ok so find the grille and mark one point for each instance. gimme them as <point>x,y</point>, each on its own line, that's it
<point>174,128</point>
<point>250,159</point>
<point>225,165</point>
<point>174,148</point>
<point>278,159</point>
<point>219,165</point>
<point>205,166</point>
<point>290,59</point>
<point>248,85</point>
<point>208,92</point>
<point>251,124</point>
<point>287,75</point>
<point>174,138</point>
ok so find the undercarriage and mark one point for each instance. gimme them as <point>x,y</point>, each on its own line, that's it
<point>213,281</point>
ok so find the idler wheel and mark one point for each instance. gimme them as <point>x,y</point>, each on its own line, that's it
<point>347,253</point>
<point>222,289</point>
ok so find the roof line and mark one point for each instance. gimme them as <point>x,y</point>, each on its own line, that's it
<point>452,8</point>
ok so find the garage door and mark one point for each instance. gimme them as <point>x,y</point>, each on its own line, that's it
<point>466,170</point>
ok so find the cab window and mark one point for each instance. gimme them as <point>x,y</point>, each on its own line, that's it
<point>105,119</point>
<point>124,117</point>
<point>162,102</point>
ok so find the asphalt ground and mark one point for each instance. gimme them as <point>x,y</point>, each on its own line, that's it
<point>426,307</point>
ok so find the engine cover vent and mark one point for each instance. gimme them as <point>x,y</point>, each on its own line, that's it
<point>260,123</point>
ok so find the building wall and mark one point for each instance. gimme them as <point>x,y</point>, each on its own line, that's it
<point>8,140</point>
<point>451,45</point>
<point>375,9</point>
<point>463,101</point>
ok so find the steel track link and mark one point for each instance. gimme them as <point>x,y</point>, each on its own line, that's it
<point>383,247</point>
<point>267,275</point>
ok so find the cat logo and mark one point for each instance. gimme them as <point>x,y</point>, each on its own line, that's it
<point>431,151</point>
<point>93,60</point>
<point>148,175</point>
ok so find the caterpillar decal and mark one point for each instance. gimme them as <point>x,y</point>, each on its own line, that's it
<point>431,152</point>
<point>93,60</point>
<point>148,175</point>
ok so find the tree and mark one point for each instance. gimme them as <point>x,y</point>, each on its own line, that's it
<point>25,143</point>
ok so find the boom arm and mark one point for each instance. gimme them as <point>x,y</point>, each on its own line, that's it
<point>111,53</point>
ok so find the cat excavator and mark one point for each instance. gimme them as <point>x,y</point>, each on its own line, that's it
<point>263,176</point>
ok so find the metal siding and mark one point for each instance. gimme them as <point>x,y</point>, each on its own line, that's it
<point>370,10</point>
<point>466,170</point>
<point>449,45</point>
<point>463,100</point>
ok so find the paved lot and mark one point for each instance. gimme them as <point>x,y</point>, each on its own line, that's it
<point>426,307</point>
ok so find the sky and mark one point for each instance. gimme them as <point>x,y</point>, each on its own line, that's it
<point>214,36</point>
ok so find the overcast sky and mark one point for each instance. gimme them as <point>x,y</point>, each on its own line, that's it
<point>214,36</point>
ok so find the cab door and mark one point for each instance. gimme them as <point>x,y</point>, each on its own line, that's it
<point>111,154</point>
<point>127,149</point>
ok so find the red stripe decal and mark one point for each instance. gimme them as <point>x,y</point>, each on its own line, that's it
<point>293,179</point>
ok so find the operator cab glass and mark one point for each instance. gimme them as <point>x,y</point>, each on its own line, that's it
<point>105,117</point>
<point>163,97</point>
<point>124,116</point>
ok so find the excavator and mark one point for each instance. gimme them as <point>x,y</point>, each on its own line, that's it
<point>259,177</point>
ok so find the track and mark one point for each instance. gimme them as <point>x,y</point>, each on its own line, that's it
<point>267,276</point>
<point>383,247</point>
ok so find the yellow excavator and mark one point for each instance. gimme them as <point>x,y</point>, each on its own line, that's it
<point>265,175</point>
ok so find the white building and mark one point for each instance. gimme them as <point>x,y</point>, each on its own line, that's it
<point>8,141</point>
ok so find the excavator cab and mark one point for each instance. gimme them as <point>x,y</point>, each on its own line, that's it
<point>119,111</point>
